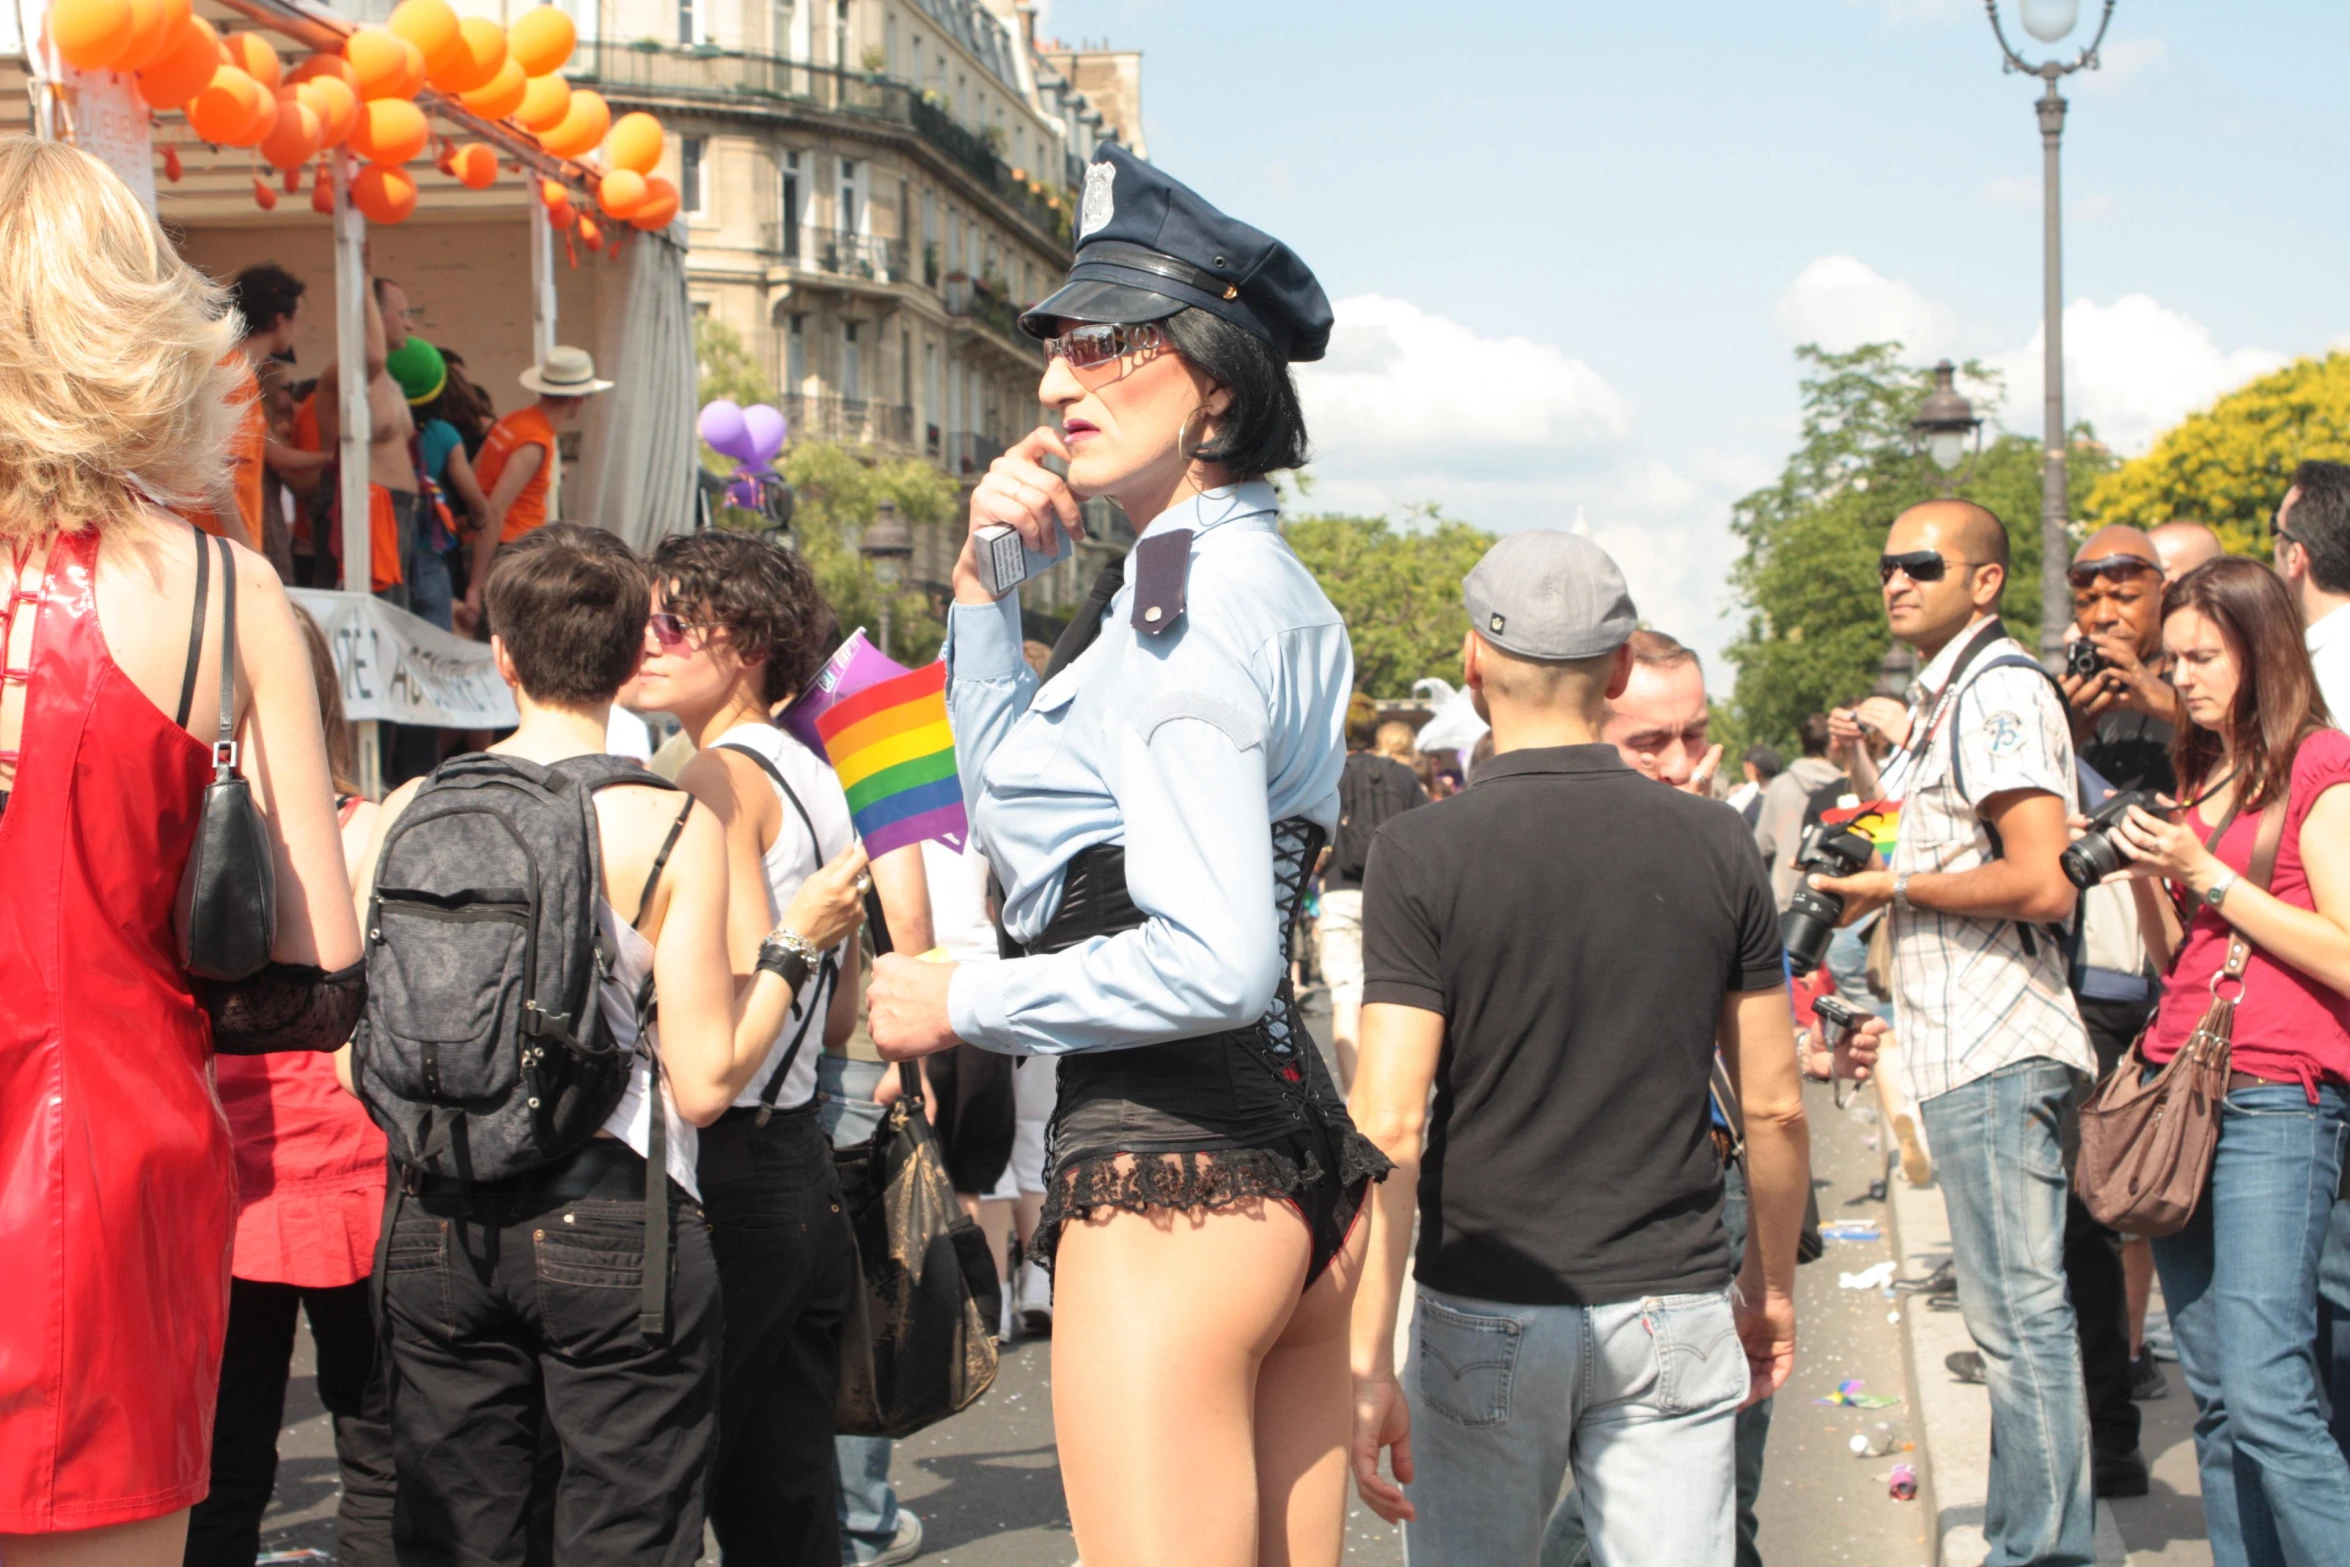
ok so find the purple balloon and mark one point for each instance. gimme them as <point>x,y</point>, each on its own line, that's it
<point>767,431</point>
<point>722,426</point>
<point>744,492</point>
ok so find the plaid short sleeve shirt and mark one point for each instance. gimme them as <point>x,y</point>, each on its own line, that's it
<point>1969,997</point>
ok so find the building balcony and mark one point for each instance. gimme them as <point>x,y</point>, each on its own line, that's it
<point>743,79</point>
<point>838,252</point>
<point>969,453</point>
<point>974,300</point>
<point>850,421</point>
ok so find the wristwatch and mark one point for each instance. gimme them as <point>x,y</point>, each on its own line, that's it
<point>2217,892</point>
<point>1901,891</point>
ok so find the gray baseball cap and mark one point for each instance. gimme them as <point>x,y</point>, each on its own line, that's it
<point>1549,595</point>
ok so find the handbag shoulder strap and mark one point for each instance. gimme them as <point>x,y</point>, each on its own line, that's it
<point>195,628</point>
<point>2264,866</point>
<point>224,749</point>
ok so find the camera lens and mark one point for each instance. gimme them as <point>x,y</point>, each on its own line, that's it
<point>2090,860</point>
<point>1807,925</point>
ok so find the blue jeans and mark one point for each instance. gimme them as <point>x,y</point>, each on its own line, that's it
<point>2241,1284</point>
<point>1641,1397</point>
<point>1999,1159</point>
<point>2333,1324</point>
<point>1848,965</point>
<point>1565,1542</point>
<point>868,1502</point>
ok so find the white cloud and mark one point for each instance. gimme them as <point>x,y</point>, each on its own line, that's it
<point>1839,303</point>
<point>1510,433</point>
<point>2133,369</point>
<point>1401,385</point>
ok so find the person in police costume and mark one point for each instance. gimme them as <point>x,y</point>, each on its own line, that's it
<point>1153,809</point>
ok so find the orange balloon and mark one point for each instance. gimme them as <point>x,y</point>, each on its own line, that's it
<point>226,108</point>
<point>251,53</point>
<point>264,121</point>
<point>542,39</point>
<point>660,205</point>
<point>318,65</point>
<point>560,214</point>
<point>293,141</point>
<point>474,63</point>
<point>476,166</point>
<point>502,96</point>
<point>263,196</point>
<point>185,70</point>
<point>91,34</point>
<point>545,100</point>
<point>390,130</point>
<point>293,181</point>
<point>383,193</point>
<point>413,74</point>
<point>154,24</point>
<point>322,192</point>
<point>583,127</point>
<point>431,25</point>
<point>635,143</point>
<point>590,235</point>
<point>621,192</point>
<point>378,61</point>
<point>335,104</point>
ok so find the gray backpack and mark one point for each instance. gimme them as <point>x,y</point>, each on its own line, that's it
<point>483,1052</point>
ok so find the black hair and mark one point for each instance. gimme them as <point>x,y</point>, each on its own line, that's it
<point>263,294</point>
<point>1813,734</point>
<point>2320,521</point>
<point>570,603</point>
<point>1765,761</point>
<point>762,595</point>
<point>1264,431</point>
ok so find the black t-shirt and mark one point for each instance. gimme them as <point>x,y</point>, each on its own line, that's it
<point>1578,927</point>
<point>1372,791</point>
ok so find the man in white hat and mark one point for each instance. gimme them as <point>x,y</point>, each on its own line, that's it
<point>519,456</point>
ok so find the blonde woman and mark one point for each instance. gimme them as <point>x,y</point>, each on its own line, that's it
<point>120,1196</point>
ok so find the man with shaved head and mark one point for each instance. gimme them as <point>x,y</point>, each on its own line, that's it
<point>2182,544</point>
<point>1991,1040</point>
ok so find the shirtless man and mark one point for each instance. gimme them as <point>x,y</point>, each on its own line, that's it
<point>394,511</point>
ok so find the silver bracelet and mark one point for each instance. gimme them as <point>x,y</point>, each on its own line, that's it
<point>792,941</point>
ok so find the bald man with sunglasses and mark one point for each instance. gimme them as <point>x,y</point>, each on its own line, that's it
<point>2117,582</point>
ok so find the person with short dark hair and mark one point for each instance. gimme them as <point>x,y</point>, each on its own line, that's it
<point>1760,765</point>
<point>501,1320</point>
<point>1376,786</point>
<point>1787,805</point>
<point>1570,1192</point>
<point>267,299</point>
<point>2313,553</point>
<point>1153,810</point>
<point>731,639</point>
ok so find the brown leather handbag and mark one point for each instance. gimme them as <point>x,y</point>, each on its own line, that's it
<point>2147,1142</point>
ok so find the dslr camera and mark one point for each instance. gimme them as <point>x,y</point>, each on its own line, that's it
<point>1812,915</point>
<point>2081,657</point>
<point>2094,855</point>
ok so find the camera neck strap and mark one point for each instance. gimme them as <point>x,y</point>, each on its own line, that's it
<point>1938,710</point>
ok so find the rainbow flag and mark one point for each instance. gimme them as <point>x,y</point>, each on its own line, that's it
<point>890,744</point>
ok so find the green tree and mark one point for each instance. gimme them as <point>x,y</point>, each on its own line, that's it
<point>836,490</point>
<point>1807,578</point>
<point>1398,588</point>
<point>727,368</point>
<point>2231,464</point>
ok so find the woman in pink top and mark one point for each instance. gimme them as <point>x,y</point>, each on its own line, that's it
<point>2241,1278</point>
<point>310,1198</point>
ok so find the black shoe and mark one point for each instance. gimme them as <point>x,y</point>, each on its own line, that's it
<point>2146,1379</point>
<point>1966,1365</point>
<point>2120,1474</point>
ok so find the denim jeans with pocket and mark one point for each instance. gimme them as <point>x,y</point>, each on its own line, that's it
<point>868,1502</point>
<point>2241,1285</point>
<point>1639,1398</point>
<point>1999,1159</point>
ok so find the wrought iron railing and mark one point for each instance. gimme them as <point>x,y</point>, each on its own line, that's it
<point>851,421</point>
<point>839,252</point>
<point>969,452</point>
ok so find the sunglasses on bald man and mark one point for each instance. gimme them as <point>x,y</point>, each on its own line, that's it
<point>2119,568</point>
<point>1920,565</point>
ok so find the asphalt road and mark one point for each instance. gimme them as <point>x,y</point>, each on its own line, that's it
<point>985,1484</point>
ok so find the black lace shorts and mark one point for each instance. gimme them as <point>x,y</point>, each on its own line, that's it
<point>1207,1124</point>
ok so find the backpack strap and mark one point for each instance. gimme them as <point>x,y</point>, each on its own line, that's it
<point>2062,934</point>
<point>827,973</point>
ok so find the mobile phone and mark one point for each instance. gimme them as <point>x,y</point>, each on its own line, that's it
<point>1005,561</point>
<point>1837,1020</point>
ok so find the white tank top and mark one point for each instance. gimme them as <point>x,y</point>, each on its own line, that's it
<point>631,1120</point>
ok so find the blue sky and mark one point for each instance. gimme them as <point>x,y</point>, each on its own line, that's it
<point>1573,243</point>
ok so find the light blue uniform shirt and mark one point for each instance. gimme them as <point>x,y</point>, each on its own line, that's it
<point>1185,747</point>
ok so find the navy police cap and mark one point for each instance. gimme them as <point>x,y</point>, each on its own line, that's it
<point>1147,246</point>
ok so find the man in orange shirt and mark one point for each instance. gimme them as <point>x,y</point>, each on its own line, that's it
<point>268,298</point>
<point>519,456</point>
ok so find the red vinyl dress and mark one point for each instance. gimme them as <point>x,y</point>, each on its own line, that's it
<point>117,1192</point>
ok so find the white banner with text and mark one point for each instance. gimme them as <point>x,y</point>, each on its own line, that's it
<point>404,670</point>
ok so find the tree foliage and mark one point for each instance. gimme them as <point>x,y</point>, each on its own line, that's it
<point>2231,464</point>
<point>727,368</point>
<point>1399,589</point>
<point>1807,578</point>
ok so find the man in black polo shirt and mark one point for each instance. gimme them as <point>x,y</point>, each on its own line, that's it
<point>1559,952</point>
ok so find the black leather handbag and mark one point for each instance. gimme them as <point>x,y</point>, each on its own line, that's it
<point>231,878</point>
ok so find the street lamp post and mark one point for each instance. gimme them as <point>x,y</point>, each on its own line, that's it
<point>887,545</point>
<point>1946,428</point>
<point>2050,21</point>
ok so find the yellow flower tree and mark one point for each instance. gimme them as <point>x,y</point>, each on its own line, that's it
<point>2231,464</point>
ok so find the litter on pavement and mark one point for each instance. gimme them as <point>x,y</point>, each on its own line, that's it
<point>1852,1230</point>
<point>1849,1395</point>
<point>1874,1277</point>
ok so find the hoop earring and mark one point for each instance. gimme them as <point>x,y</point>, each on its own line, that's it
<point>1189,446</point>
